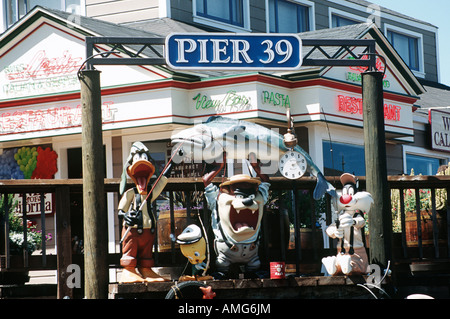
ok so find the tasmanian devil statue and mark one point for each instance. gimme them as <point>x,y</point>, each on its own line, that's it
<point>237,207</point>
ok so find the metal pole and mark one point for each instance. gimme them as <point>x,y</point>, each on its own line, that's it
<point>380,222</point>
<point>94,213</point>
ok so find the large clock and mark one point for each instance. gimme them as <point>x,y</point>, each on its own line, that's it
<point>292,165</point>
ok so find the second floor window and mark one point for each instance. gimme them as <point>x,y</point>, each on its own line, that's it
<point>407,47</point>
<point>227,11</point>
<point>338,21</point>
<point>16,9</point>
<point>288,17</point>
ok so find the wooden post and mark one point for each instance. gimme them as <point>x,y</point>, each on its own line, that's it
<point>63,240</point>
<point>94,214</point>
<point>25,229</point>
<point>4,233</point>
<point>380,221</point>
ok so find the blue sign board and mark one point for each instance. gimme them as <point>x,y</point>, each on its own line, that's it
<point>231,51</point>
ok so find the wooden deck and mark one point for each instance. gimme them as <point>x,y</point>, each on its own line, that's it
<point>421,269</point>
<point>314,287</point>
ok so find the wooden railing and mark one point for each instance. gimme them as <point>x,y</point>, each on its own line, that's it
<point>275,225</point>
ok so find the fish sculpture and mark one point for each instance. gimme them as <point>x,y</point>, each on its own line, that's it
<point>206,142</point>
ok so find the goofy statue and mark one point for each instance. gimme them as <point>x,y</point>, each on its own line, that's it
<point>139,221</point>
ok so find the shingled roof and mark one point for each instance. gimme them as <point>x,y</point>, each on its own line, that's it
<point>436,95</point>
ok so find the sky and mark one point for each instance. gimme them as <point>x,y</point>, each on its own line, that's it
<point>436,12</point>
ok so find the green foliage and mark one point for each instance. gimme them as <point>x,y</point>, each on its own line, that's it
<point>16,238</point>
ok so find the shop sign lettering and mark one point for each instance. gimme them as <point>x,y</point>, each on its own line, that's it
<point>43,66</point>
<point>276,99</point>
<point>354,105</point>
<point>233,51</point>
<point>34,204</point>
<point>45,84</point>
<point>440,130</point>
<point>232,101</point>
<point>51,118</point>
<point>355,76</point>
<point>41,73</point>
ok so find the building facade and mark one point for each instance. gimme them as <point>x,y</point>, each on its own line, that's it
<point>40,112</point>
<point>415,40</point>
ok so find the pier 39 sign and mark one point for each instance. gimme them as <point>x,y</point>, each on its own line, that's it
<point>231,51</point>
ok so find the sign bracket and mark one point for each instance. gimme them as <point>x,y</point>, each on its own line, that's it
<point>151,51</point>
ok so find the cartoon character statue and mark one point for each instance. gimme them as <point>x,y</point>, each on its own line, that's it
<point>193,247</point>
<point>351,257</point>
<point>139,222</point>
<point>237,207</point>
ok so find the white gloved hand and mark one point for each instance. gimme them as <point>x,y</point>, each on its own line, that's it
<point>339,233</point>
<point>345,220</point>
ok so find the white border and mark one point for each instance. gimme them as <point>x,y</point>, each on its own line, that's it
<point>164,10</point>
<point>333,11</point>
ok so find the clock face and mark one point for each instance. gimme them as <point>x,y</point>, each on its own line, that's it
<point>292,165</point>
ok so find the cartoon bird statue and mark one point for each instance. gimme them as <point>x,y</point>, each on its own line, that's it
<point>351,257</point>
<point>138,233</point>
<point>193,247</point>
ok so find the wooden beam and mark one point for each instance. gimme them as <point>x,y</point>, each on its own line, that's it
<point>94,212</point>
<point>63,241</point>
<point>380,220</point>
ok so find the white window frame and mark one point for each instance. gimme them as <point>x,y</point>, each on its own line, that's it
<point>311,13</point>
<point>343,14</point>
<point>421,72</point>
<point>223,25</point>
<point>419,151</point>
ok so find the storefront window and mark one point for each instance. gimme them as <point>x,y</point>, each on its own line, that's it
<point>422,164</point>
<point>228,11</point>
<point>288,16</point>
<point>75,162</point>
<point>339,158</point>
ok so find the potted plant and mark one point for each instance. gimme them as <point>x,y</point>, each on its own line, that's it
<point>16,238</point>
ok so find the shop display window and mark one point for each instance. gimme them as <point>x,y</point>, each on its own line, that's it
<point>422,164</point>
<point>75,162</point>
<point>339,158</point>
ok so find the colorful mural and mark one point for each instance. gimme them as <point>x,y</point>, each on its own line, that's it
<point>28,162</point>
